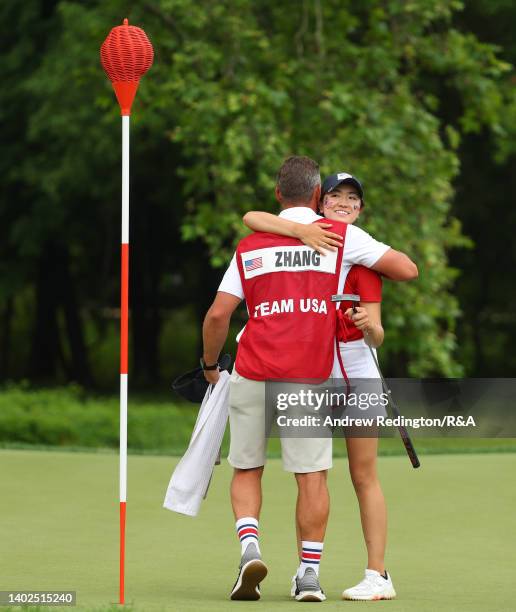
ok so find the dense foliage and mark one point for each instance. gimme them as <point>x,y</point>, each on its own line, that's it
<point>70,418</point>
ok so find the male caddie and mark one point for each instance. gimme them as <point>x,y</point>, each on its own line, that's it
<point>290,334</point>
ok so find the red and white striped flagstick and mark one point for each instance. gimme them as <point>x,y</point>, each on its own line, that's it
<point>126,55</point>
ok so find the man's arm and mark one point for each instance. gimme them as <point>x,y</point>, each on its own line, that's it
<point>215,330</point>
<point>396,266</point>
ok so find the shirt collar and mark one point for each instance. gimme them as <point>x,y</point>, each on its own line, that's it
<point>301,214</point>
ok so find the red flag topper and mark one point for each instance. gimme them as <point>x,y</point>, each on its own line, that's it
<point>126,55</point>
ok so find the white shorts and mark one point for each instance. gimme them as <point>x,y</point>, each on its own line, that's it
<point>362,372</point>
<point>357,360</point>
<point>248,426</point>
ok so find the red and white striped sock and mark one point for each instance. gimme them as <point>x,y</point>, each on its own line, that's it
<point>247,531</point>
<point>310,557</point>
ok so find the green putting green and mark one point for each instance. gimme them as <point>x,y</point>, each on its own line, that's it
<point>451,534</point>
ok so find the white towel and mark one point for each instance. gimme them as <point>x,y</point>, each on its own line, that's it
<point>190,480</point>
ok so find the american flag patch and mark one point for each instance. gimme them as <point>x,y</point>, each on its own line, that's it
<point>253,264</point>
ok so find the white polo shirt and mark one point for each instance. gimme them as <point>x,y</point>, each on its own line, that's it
<point>359,248</point>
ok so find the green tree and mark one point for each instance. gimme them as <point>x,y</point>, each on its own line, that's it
<point>349,86</point>
<point>237,86</point>
<point>486,289</point>
<point>26,29</point>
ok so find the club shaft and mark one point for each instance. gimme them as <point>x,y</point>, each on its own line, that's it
<point>409,447</point>
<point>407,442</point>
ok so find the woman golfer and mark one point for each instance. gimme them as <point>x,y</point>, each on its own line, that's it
<point>342,200</point>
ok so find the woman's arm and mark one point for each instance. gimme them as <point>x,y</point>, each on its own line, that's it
<point>314,235</point>
<point>396,265</point>
<point>368,318</point>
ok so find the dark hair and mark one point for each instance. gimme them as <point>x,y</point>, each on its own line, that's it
<point>297,179</point>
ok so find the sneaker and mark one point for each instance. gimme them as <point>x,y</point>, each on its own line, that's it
<point>374,586</point>
<point>252,571</point>
<point>308,587</point>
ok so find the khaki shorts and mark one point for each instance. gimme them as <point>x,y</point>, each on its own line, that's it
<point>248,440</point>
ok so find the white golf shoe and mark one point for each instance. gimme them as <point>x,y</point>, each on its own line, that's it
<point>374,586</point>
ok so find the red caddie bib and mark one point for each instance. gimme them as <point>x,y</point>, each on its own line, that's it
<point>292,321</point>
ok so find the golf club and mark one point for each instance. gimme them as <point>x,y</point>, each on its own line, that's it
<point>407,442</point>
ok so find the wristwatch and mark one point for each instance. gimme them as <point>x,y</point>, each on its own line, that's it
<point>208,367</point>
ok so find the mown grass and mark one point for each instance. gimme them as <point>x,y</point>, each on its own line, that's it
<point>59,530</point>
